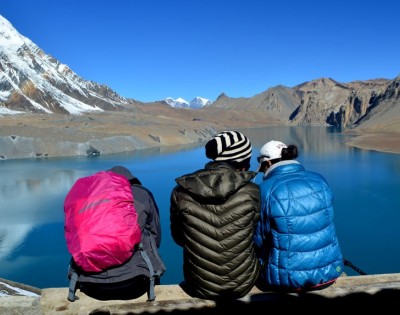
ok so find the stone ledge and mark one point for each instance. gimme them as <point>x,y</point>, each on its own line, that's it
<point>20,305</point>
<point>362,291</point>
<point>359,292</point>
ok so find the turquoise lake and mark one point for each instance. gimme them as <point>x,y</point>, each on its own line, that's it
<point>366,186</point>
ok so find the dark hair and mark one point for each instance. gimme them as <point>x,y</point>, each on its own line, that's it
<point>239,165</point>
<point>289,153</point>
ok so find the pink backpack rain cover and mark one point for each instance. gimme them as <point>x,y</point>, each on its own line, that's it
<point>101,227</point>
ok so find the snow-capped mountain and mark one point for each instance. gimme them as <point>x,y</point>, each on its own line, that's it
<point>197,102</point>
<point>32,81</point>
<point>177,103</point>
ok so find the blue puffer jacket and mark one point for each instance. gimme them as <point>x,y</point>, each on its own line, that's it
<point>295,238</point>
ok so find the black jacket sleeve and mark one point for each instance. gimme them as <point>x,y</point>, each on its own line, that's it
<point>148,212</point>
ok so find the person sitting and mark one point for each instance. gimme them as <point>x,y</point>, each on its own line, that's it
<point>295,237</point>
<point>140,273</point>
<point>213,214</point>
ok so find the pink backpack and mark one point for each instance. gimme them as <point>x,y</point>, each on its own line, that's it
<point>101,227</point>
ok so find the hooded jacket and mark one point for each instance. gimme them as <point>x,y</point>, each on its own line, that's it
<point>296,239</point>
<point>213,215</point>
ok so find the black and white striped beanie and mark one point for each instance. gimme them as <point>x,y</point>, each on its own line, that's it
<point>229,146</point>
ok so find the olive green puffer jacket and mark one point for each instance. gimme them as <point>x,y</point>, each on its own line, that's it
<point>213,214</point>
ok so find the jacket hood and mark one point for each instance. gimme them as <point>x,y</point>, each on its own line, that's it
<point>125,172</point>
<point>217,181</point>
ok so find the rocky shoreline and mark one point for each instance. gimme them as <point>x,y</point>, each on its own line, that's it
<point>383,142</point>
<point>46,136</point>
<point>11,288</point>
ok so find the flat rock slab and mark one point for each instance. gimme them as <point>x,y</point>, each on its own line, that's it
<point>362,292</point>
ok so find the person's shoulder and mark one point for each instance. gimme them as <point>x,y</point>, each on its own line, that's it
<point>141,189</point>
<point>315,175</point>
<point>191,174</point>
<point>252,186</point>
<point>317,178</point>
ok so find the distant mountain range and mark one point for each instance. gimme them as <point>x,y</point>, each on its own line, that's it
<point>34,82</point>
<point>197,102</point>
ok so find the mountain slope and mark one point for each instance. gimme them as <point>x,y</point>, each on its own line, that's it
<point>326,101</point>
<point>31,81</point>
<point>384,113</point>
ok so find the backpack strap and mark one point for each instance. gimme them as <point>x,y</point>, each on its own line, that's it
<point>151,296</point>
<point>154,249</point>
<point>72,285</point>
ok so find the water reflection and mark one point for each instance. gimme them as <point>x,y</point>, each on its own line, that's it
<point>23,203</point>
<point>32,192</point>
<point>319,140</point>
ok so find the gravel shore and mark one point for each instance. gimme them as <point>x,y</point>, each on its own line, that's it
<point>384,142</point>
<point>35,135</point>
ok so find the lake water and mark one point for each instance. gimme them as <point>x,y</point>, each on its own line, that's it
<point>366,186</point>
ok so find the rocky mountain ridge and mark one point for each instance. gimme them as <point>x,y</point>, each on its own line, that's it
<point>325,101</point>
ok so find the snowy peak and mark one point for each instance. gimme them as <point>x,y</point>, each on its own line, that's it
<point>177,103</point>
<point>32,81</point>
<point>9,38</point>
<point>197,102</point>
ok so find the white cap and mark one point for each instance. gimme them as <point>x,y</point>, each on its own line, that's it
<point>271,150</point>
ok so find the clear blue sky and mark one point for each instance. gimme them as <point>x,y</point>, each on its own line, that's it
<point>152,49</point>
